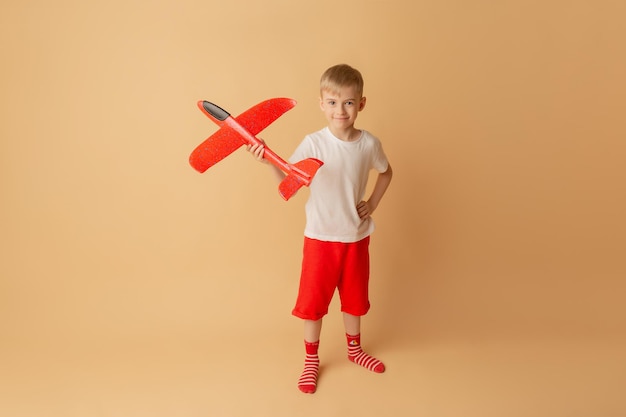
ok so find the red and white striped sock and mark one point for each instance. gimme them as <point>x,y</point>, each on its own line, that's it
<point>308,380</point>
<point>358,356</point>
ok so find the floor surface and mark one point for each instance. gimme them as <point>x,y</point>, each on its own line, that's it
<point>245,375</point>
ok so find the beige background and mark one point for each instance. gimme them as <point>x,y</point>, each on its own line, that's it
<point>133,286</point>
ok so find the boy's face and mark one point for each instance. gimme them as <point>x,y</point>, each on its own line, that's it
<point>341,107</point>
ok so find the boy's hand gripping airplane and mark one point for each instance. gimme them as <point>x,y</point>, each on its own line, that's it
<point>235,132</point>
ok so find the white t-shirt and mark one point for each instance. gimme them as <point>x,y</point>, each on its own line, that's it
<point>339,184</point>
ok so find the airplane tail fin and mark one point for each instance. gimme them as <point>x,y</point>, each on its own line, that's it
<point>302,173</point>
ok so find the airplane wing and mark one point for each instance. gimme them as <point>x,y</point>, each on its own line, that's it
<point>257,118</point>
<point>217,147</point>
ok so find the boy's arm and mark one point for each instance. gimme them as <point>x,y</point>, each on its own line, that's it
<point>257,152</point>
<point>366,208</point>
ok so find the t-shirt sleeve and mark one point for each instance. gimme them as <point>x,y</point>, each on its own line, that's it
<point>379,159</point>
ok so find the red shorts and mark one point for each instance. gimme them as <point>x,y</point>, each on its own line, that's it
<point>327,266</point>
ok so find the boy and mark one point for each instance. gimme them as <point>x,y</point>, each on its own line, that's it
<point>338,222</point>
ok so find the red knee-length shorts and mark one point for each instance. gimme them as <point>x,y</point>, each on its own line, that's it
<point>327,266</point>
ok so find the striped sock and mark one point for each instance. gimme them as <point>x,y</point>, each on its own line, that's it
<point>308,380</point>
<point>358,356</point>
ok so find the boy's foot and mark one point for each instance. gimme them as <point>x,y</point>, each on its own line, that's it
<point>358,356</point>
<point>308,379</point>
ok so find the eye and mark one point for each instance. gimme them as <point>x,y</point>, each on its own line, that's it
<point>332,102</point>
<point>349,103</point>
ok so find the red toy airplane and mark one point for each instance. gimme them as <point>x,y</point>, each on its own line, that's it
<point>235,132</point>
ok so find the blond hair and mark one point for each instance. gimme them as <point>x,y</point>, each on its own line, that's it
<point>339,76</point>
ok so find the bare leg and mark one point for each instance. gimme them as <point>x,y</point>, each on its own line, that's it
<point>312,330</point>
<point>352,324</point>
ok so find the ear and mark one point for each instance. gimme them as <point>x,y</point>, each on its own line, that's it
<point>322,103</point>
<point>362,103</point>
